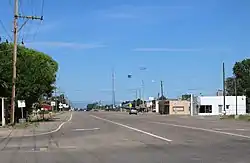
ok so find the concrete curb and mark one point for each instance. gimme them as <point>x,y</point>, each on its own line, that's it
<point>44,133</point>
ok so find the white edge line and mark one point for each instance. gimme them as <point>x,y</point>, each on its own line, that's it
<point>203,129</point>
<point>50,132</point>
<point>87,129</point>
<point>135,129</point>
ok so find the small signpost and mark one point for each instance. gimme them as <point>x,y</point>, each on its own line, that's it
<point>21,104</point>
<point>60,106</point>
<point>53,104</point>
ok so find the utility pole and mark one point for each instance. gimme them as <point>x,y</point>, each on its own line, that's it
<point>113,87</point>
<point>15,32</point>
<point>236,98</point>
<point>224,88</point>
<point>161,88</point>
<point>142,83</point>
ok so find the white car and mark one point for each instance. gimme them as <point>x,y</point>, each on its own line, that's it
<point>133,111</point>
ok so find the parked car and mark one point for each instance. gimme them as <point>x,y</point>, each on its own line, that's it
<point>133,111</point>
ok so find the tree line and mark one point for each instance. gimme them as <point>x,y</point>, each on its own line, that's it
<point>239,80</point>
<point>241,77</point>
<point>36,74</point>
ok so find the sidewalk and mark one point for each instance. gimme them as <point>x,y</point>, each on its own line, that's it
<point>36,128</point>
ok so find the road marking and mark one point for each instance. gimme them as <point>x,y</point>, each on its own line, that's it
<point>67,147</point>
<point>203,129</point>
<point>230,129</point>
<point>132,128</point>
<point>50,132</point>
<point>86,129</point>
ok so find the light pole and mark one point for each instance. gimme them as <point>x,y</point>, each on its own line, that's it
<point>136,90</point>
<point>143,86</point>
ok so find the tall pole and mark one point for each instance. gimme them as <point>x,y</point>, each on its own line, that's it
<point>236,100</point>
<point>113,87</point>
<point>224,88</point>
<point>15,34</point>
<point>13,96</point>
<point>161,88</point>
<point>142,83</point>
<point>136,97</point>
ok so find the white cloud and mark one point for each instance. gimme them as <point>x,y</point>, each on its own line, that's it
<point>165,50</point>
<point>71,45</point>
<point>145,12</point>
<point>121,15</point>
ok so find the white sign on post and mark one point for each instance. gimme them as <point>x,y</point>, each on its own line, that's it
<point>21,103</point>
<point>60,106</point>
<point>53,103</point>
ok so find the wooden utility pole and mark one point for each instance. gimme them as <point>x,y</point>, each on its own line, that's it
<point>224,87</point>
<point>15,32</point>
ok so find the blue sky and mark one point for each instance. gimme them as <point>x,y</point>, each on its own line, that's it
<point>182,42</point>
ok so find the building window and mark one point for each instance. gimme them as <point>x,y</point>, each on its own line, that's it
<point>227,106</point>
<point>205,109</point>
<point>220,108</point>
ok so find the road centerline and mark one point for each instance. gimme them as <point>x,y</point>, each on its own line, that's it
<point>132,128</point>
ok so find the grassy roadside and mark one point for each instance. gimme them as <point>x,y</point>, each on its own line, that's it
<point>238,117</point>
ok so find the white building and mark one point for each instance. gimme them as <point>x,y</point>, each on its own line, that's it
<point>213,105</point>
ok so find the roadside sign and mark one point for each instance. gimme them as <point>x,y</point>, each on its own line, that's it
<point>151,98</point>
<point>130,105</point>
<point>60,105</point>
<point>53,103</point>
<point>65,106</point>
<point>21,103</point>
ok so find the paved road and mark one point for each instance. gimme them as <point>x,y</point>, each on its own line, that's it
<point>117,137</point>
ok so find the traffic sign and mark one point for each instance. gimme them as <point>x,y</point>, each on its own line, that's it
<point>60,105</point>
<point>53,103</point>
<point>21,103</point>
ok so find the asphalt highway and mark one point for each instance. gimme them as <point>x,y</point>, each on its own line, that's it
<point>113,137</point>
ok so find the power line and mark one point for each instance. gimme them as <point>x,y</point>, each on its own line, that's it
<point>35,32</point>
<point>5,29</point>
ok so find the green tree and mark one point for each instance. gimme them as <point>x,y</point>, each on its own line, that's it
<point>92,106</point>
<point>186,97</point>
<point>36,73</point>
<point>241,71</point>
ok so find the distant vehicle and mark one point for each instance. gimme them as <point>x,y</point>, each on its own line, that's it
<point>133,111</point>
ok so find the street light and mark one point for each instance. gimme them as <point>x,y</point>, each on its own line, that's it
<point>143,85</point>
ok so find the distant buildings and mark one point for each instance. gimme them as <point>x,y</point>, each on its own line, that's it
<point>214,105</point>
<point>203,105</point>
